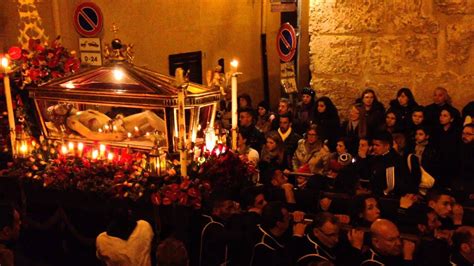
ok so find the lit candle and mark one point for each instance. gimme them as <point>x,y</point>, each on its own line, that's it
<point>63,149</point>
<point>114,128</point>
<point>70,146</point>
<point>102,151</point>
<point>99,130</point>
<point>23,149</point>
<point>129,135</point>
<point>110,156</point>
<point>106,128</point>
<point>234,64</point>
<point>80,148</point>
<point>95,154</point>
<point>136,131</point>
<point>9,102</point>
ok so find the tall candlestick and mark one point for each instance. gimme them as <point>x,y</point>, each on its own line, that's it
<point>80,148</point>
<point>8,99</point>
<point>234,64</point>
<point>182,133</point>
<point>181,86</point>
<point>101,151</point>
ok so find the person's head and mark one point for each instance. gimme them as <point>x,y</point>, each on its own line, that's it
<point>252,198</point>
<point>366,208</point>
<point>171,252</point>
<point>9,222</point>
<point>273,141</point>
<point>368,97</point>
<point>275,216</point>
<point>417,115</point>
<point>463,242</point>
<point>342,145</point>
<point>246,117</point>
<point>326,229</point>
<point>405,97</point>
<point>385,238</point>
<point>307,95</point>
<point>312,134</point>
<point>245,101</point>
<point>421,134</point>
<point>429,222</point>
<point>399,142</point>
<point>447,116</point>
<point>94,124</point>
<point>243,137</point>
<point>391,119</point>
<point>326,106</point>
<point>263,108</point>
<point>222,205</point>
<point>364,145</point>
<point>285,122</point>
<point>468,134</point>
<point>441,96</point>
<point>302,179</point>
<point>382,142</point>
<point>284,106</point>
<point>354,113</point>
<point>440,201</point>
<point>278,178</point>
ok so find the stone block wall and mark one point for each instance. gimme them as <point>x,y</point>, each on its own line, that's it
<point>389,44</point>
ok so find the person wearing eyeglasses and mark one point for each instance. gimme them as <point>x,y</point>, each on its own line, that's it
<point>321,243</point>
<point>387,248</point>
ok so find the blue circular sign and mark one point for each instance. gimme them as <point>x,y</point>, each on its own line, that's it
<point>286,42</point>
<point>88,19</point>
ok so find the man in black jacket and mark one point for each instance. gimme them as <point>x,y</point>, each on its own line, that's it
<point>387,170</point>
<point>288,135</point>
<point>271,248</point>
<point>247,124</point>
<point>214,238</point>
<point>322,243</point>
<point>386,246</point>
<point>463,246</point>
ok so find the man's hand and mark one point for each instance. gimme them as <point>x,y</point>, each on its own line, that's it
<point>407,201</point>
<point>298,216</point>
<point>408,249</point>
<point>356,238</point>
<point>325,203</point>
<point>299,229</point>
<point>458,213</point>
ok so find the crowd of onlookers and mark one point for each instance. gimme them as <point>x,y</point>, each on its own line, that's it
<point>386,186</point>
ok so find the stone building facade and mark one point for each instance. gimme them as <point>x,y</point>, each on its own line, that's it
<point>389,44</point>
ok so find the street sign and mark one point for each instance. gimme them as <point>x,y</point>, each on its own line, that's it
<point>88,19</point>
<point>91,58</point>
<point>286,42</point>
<point>89,44</point>
<point>283,7</point>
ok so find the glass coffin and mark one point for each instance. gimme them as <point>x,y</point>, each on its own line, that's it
<point>121,105</point>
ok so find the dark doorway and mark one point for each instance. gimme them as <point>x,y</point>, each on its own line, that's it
<point>187,61</point>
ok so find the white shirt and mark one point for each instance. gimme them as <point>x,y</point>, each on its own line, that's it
<point>134,251</point>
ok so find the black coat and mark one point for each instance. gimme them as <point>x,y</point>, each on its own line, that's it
<point>378,177</point>
<point>269,250</point>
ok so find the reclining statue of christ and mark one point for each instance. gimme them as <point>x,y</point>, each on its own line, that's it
<point>95,125</point>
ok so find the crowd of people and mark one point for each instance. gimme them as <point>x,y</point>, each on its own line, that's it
<point>386,186</point>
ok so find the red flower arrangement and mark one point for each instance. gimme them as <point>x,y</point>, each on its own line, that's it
<point>42,62</point>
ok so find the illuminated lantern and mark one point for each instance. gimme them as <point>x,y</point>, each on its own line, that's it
<point>22,145</point>
<point>157,161</point>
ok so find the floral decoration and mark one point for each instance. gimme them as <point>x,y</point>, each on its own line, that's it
<point>42,62</point>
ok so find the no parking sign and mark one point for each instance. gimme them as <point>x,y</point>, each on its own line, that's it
<point>286,42</point>
<point>88,19</point>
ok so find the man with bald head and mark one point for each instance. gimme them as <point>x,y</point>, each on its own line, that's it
<point>463,246</point>
<point>387,247</point>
